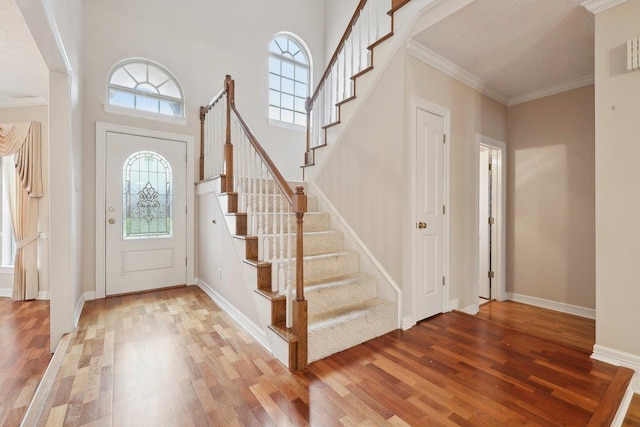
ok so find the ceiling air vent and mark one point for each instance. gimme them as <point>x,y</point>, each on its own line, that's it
<point>633,54</point>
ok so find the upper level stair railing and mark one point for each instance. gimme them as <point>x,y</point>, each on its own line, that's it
<point>229,149</point>
<point>370,24</point>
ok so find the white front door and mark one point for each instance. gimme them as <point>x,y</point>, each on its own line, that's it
<point>145,202</point>
<point>430,224</point>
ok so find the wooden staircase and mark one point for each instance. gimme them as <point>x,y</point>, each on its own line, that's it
<point>343,307</point>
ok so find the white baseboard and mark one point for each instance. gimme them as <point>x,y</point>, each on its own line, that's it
<point>6,293</point>
<point>473,309</point>
<point>44,296</point>
<point>589,313</point>
<point>78,311</point>
<point>454,304</point>
<point>256,332</point>
<point>407,323</point>
<point>89,295</point>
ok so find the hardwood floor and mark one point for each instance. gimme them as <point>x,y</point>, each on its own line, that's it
<point>633,414</point>
<point>173,358</point>
<point>24,355</point>
<point>566,329</point>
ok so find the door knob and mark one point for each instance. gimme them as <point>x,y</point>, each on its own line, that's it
<point>112,221</point>
<point>422,225</point>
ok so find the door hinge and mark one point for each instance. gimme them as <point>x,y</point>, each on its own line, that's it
<point>444,138</point>
<point>443,281</point>
<point>491,275</point>
<point>444,210</point>
<point>186,261</point>
<point>490,166</point>
<point>492,220</point>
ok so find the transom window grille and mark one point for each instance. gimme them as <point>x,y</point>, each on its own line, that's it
<point>289,71</point>
<point>145,86</point>
<point>147,196</point>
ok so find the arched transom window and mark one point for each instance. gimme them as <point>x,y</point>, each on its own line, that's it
<point>289,72</point>
<point>145,86</point>
<point>147,196</point>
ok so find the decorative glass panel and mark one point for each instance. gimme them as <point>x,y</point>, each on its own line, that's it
<point>147,196</point>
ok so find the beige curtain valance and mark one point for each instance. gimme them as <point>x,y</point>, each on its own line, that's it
<point>23,140</point>
<point>21,143</point>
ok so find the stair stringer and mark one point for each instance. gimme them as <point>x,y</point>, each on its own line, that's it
<point>387,287</point>
<point>247,282</point>
<point>404,20</point>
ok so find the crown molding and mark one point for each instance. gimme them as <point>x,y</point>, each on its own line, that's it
<point>552,90</point>
<point>427,56</point>
<point>597,6</point>
<point>23,102</point>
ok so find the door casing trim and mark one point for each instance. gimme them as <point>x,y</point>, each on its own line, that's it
<point>100,233</point>
<point>416,104</point>
<point>498,290</point>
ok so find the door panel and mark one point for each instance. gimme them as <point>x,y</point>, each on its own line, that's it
<point>145,225</point>
<point>429,211</point>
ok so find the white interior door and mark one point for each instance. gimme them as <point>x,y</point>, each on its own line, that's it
<point>484,283</point>
<point>145,200</point>
<point>430,226</point>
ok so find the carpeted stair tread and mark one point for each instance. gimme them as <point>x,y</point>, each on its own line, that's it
<point>343,291</point>
<point>329,266</point>
<point>337,330</point>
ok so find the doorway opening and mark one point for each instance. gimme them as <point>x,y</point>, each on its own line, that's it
<point>490,208</point>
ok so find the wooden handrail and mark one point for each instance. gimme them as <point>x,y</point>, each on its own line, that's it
<point>334,58</point>
<point>296,199</point>
<point>271,167</point>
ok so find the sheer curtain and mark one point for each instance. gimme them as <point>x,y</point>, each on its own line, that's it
<point>20,145</point>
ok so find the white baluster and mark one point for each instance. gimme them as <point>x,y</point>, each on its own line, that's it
<point>261,191</point>
<point>281,278</point>
<point>265,239</point>
<point>289,272</point>
<point>249,191</point>
<point>274,250</point>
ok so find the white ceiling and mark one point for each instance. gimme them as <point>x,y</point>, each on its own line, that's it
<point>23,73</point>
<point>517,49</point>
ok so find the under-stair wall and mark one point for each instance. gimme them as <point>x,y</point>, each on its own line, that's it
<point>222,273</point>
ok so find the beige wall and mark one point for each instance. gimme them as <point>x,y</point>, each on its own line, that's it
<point>551,198</point>
<point>617,181</point>
<point>471,113</point>
<point>39,114</point>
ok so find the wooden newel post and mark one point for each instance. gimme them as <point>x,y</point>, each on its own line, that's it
<point>299,206</point>
<point>203,112</point>
<point>228,146</point>
<point>308,154</point>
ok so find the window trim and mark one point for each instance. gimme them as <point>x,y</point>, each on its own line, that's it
<point>134,112</point>
<point>307,53</point>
